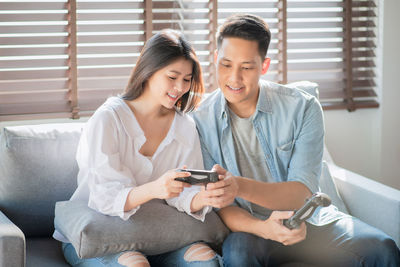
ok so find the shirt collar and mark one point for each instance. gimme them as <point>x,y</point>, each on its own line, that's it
<point>126,117</point>
<point>264,103</point>
<point>223,106</point>
<point>179,129</point>
<point>133,129</point>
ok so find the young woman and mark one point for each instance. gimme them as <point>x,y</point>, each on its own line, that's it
<point>131,145</point>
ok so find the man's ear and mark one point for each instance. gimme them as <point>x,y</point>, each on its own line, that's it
<point>265,65</point>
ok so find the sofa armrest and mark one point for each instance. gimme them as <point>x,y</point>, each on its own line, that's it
<point>372,202</point>
<point>12,243</point>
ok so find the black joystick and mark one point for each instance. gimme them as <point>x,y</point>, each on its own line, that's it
<point>305,212</point>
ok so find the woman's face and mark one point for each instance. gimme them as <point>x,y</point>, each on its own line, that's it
<point>168,84</point>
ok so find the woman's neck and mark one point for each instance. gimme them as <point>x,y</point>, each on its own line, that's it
<point>155,122</point>
<point>144,107</point>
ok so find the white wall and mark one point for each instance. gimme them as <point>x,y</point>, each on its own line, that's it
<point>370,145</point>
<point>390,139</point>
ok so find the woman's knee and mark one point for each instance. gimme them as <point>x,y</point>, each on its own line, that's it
<point>133,259</point>
<point>199,252</point>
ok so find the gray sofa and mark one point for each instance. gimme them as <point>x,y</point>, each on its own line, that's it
<point>38,168</point>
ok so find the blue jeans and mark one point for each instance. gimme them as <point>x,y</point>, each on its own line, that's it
<point>346,242</point>
<point>173,259</point>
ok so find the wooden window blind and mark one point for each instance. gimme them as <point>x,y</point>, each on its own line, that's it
<point>34,59</point>
<point>110,36</point>
<point>63,58</point>
<point>331,42</point>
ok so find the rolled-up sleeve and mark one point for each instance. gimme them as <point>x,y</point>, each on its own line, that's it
<point>98,157</point>
<point>305,164</point>
<point>183,202</point>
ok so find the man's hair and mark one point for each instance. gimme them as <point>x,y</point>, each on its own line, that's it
<point>248,27</point>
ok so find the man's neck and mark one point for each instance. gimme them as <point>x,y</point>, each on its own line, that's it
<point>246,108</point>
<point>242,111</point>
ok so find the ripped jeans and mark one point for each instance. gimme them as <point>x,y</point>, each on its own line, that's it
<point>173,258</point>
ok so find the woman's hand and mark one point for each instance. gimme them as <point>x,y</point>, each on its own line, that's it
<point>166,186</point>
<point>219,194</point>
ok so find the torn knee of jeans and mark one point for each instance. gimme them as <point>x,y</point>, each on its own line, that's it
<point>199,252</point>
<point>133,259</point>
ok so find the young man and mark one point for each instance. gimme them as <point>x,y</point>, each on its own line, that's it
<point>273,135</point>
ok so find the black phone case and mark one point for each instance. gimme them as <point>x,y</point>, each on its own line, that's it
<point>198,177</point>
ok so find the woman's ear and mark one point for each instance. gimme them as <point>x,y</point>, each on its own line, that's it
<point>265,65</point>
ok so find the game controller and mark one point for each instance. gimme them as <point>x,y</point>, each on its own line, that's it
<point>305,212</point>
<point>198,176</point>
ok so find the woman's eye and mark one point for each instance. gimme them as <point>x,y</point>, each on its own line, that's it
<point>172,78</point>
<point>247,68</point>
<point>225,65</point>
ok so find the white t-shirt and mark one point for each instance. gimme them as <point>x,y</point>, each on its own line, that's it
<point>110,164</point>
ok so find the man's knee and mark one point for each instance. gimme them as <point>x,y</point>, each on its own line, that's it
<point>383,252</point>
<point>199,252</point>
<point>133,259</point>
<point>239,241</point>
<point>374,248</point>
<point>242,249</point>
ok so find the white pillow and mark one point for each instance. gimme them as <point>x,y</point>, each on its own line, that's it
<point>328,186</point>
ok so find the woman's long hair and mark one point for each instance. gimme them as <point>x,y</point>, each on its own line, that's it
<point>159,51</point>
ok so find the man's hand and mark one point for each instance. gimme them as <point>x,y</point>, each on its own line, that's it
<point>221,193</point>
<point>273,229</point>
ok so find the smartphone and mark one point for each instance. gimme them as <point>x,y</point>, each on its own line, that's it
<point>198,176</point>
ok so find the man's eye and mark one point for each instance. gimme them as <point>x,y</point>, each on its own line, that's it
<point>225,65</point>
<point>247,68</point>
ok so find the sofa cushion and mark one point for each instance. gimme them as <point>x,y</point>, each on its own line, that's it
<point>44,252</point>
<point>155,228</point>
<point>37,168</point>
<point>306,86</point>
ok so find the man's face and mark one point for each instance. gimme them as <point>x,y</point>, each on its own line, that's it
<point>239,67</point>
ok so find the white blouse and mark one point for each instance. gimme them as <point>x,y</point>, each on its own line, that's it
<point>110,164</point>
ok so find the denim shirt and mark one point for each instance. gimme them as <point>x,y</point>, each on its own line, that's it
<point>289,126</point>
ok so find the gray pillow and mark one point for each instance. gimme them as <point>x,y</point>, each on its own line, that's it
<point>154,229</point>
<point>309,87</point>
<point>37,169</point>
